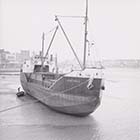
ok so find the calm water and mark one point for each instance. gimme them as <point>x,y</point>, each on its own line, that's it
<point>116,119</point>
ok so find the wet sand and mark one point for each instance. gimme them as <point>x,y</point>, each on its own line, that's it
<point>117,118</point>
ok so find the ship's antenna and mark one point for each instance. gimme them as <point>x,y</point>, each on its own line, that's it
<point>85,36</point>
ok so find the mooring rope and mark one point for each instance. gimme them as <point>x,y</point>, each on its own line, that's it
<point>14,107</point>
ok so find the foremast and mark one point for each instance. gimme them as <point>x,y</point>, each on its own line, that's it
<point>43,42</point>
<point>42,52</point>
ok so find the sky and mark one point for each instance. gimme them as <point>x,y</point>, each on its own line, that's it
<point>113,27</point>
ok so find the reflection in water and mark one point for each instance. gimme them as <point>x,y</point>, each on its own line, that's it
<point>50,132</point>
<point>73,131</point>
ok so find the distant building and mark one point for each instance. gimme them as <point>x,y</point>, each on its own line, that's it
<point>25,54</point>
<point>8,59</point>
<point>11,58</point>
<point>3,54</point>
<point>22,56</point>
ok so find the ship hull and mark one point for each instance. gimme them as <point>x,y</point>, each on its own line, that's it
<point>79,101</point>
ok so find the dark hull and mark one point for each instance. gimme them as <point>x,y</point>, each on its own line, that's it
<point>79,101</point>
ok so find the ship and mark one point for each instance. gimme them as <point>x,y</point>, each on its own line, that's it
<point>77,93</point>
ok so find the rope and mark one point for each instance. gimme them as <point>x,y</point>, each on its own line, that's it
<point>14,107</point>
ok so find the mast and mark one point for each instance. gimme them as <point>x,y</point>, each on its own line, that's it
<point>50,44</point>
<point>42,52</point>
<point>85,35</point>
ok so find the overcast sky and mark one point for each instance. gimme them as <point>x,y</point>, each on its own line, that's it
<point>114,26</point>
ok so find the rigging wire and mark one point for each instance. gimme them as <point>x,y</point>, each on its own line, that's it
<point>51,30</point>
<point>70,16</point>
<point>65,35</point>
